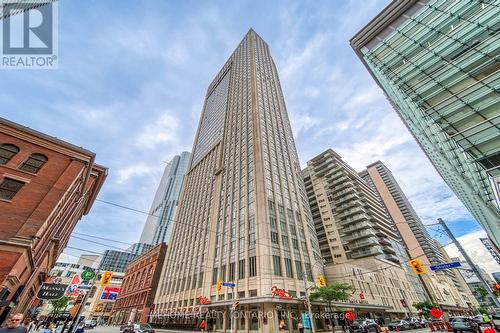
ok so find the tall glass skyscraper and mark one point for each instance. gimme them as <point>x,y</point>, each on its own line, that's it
<point>159,223</point>
<point>243,214</point>
<point>437,61</point>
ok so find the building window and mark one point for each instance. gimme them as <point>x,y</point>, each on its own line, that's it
<point>288,267</point>
<point>241,269</point>
<point>34,163</point>
<point>7,151</point>
<point>274,237</point>
<point>277,265</point>
<point>9,188</point>
<point>252,266</point>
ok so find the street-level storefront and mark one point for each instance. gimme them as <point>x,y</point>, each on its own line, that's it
<point>264,314</point>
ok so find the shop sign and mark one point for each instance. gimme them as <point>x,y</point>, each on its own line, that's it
<point>349,315</point>
<point>51,291</point>
<point>203,300</point>
<point>281,293</point>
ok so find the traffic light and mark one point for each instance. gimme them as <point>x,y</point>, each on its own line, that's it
<point>496,287</point>
<point>417,266</point>
<point>235,305</point>
<point>219,285</point>
<point>305,304</point>
<point>321,281</point>
<point>106,278</point>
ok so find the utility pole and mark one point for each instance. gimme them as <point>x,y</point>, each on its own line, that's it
<point>309,308</point>
<point>469,261</point>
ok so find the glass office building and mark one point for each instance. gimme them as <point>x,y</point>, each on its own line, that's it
<point>438,63</point>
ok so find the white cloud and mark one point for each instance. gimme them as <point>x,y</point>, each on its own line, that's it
<point>134,170</point>
<point>161,131</point>
<point>476,251</point>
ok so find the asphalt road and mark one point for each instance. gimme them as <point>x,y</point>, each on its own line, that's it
<point>115,329</point>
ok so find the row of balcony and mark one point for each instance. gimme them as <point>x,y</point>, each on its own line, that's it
<point>358,235</point>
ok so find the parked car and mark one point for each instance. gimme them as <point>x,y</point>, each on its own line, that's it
<point>478,319</point>
<point>138,328</point>
<point>414,322</point>
<point>495,320</point>
<point>364,326</point>
<point>423,322</point>
<point>463,324</point>
<point>401,325</point>
<point>90,323</point>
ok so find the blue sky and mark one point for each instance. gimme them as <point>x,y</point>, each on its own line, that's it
<point>132,78</point>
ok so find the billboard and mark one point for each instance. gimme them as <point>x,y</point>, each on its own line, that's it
<point>110,293</point>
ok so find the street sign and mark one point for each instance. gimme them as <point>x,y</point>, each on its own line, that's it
<point>87,275</point>
<point>446,266</point>
<point>51,291</point>
<point>229,284</point>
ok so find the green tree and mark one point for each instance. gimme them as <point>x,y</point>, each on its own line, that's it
<point>481,292</point>
<point>424,307</point>
<point>339,291</point>
<point>58,305</point>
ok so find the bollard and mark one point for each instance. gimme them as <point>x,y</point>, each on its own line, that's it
<point>448,327</point>
<point>386,330</point>
<point>397,328</point>
<point>431,326</point>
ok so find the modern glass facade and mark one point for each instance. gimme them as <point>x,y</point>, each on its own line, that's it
<point>158,226</point>
<point>437,61</point>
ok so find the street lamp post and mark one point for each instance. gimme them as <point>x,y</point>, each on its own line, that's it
<point>306,288</point>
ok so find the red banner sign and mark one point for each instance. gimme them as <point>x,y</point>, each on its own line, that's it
<point>281,293</point>
<point>436,313</point>
<point>203,300</point>
<point>349,315</point>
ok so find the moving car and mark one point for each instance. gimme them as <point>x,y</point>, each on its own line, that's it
<point>364,326</point>
<point>138,328</point>
<point>463,324</point>
<point>399,324</point>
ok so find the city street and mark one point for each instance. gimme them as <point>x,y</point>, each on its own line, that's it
<point>116,329</point>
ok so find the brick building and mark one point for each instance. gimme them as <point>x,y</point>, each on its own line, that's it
<point>46,186</point>
<point>139,287</point>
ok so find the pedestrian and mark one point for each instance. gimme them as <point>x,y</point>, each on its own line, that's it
<point>31,326</point>
<point>282,326</point>
<point>300,327</point>
<point>203,325</point>
<point>49,328</point>
<point>14,324</point>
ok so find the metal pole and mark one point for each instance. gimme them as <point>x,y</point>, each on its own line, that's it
<point>471,264</point>
<point>232,309</point>
<point>309,308</point>
<point>75,322</point>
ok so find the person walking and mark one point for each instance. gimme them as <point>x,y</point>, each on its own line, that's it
<point>14,324</point>
<point>203,325</point>
<point>300,327</point>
